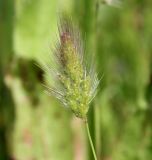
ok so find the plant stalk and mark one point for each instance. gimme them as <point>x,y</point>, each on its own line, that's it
<point>90,140</point>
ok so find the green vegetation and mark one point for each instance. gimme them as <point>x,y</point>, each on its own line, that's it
<point>33,125</point>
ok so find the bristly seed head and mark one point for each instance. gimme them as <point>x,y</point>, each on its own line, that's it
<point>75,86</point>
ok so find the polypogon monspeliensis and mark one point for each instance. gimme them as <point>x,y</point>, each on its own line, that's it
<point>74,84</point>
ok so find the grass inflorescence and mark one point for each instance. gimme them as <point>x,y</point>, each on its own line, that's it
<point>75,85</point>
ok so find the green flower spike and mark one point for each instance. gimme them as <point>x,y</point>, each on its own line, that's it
<point>74,86</point>
<point>73,83</point>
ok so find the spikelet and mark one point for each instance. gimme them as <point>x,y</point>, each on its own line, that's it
<point>74,85</point>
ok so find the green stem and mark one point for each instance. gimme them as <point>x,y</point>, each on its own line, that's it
<point>90,140</point>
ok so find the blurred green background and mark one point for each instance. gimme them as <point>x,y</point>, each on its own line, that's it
<point>34,126</point>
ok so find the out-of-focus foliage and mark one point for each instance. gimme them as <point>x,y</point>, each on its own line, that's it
<point>32,124</point>
<point>125,56</point>
<point>6,100</point>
